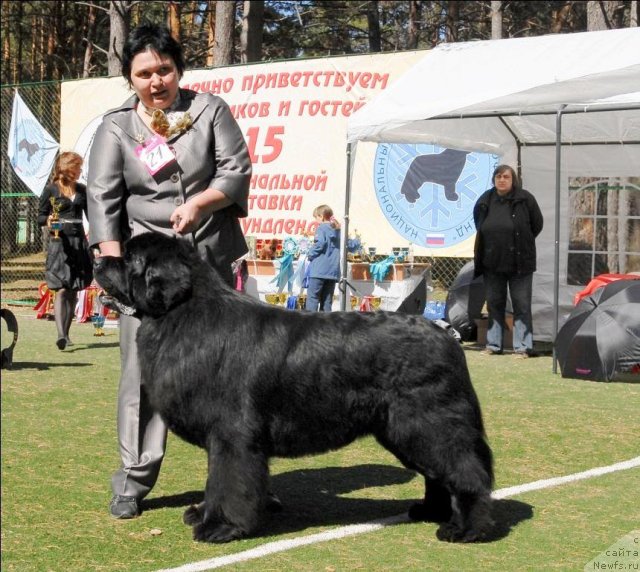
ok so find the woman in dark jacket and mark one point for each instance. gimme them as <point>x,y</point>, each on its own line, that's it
<point>69,260</point>
<point>508,220</point>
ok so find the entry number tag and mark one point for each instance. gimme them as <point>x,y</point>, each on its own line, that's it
<point>155,154</point>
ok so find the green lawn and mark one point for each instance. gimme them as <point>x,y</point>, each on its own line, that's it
<point>59,449</point>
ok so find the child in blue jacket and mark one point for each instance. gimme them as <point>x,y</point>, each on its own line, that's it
<point>324,269</point>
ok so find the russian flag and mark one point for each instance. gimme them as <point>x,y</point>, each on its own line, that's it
<point>435,239</point>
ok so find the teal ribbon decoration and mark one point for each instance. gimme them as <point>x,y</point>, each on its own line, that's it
<point>284,277</point>
<point>379,270</point>
<point>298,277</point>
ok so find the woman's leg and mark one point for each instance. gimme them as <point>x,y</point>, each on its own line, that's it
<point>326,302</point>
<point>72,300</point>
<point>495,285</point>
<point>521,290</point>
<point>314,293</point>
<point>64,307</point>
<point>142,434</point>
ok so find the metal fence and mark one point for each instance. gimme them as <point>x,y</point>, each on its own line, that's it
<point>21,239</point>
<point>23,243</point>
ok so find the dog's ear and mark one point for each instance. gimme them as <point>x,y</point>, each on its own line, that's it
<point>166,287</point>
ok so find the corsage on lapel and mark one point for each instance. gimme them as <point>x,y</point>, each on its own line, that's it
<point>171,123</point>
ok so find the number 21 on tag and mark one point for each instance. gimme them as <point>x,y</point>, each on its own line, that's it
<point>155,154</point>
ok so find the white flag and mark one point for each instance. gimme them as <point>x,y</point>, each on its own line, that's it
<point>32,151</point>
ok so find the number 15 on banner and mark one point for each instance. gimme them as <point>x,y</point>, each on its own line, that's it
<point>272,143</point>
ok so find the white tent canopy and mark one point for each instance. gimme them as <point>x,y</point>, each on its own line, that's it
<point>512,79</point>
<point>555,106</point>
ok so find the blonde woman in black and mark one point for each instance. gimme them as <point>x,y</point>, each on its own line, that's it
<point>69,262</point>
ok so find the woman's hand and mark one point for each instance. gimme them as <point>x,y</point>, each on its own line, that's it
<point>186,218</point>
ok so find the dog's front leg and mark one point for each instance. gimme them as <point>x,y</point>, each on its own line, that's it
<point>234,496</point>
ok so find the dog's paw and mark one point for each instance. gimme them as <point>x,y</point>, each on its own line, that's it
<point>429,512</point>
<point>192,515</point>
<point>452,533</point>
<point>217,533</point>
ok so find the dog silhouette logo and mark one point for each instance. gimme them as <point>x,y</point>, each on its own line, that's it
<point>427,192</point>
<point>440,168</point>
<point>30,148</point>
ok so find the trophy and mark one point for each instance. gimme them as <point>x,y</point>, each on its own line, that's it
<point>56,225</point>
<point>277,298</point>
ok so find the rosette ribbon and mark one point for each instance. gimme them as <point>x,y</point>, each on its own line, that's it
<point>284,277</point>
<point>300,277</point>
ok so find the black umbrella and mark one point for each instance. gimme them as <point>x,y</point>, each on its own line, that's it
<point>464,302</point>
<point>601,337</point>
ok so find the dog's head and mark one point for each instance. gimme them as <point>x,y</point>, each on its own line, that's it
<point>152,277</point>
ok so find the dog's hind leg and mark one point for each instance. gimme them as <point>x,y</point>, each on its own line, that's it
<point>437,503</point>
<point>234,496</point>
<point>456,464</point>
<point>436,506</point>
<point>469,482</point>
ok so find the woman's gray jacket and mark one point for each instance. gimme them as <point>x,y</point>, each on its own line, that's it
<point>124,199</point>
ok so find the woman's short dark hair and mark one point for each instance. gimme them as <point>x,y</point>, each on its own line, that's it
<point>514,176</point>
<point>151,37</point>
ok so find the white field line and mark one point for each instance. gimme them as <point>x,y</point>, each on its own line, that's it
<point>351,530</point>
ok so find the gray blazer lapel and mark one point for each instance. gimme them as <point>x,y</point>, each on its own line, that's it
<point>193,105</point>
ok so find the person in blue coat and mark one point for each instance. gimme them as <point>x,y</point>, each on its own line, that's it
<point>324,268</point>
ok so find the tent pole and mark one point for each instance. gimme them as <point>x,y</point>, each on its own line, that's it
<point>345,234</point>
<point>556,254</point>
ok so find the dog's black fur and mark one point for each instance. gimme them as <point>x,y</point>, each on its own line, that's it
<point>247,381</point>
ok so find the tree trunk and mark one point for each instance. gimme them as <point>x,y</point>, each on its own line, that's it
<point>600,14</point>
<point>174,20</point>
<point>17,69</point>
<point>51,38</point>
<point>633,14</point>
<point>373,22</point>
<point>496,19</point>
<point>453,16</point>
<point>251,35</point>
<point>559,17</point>
<point>211,33</point>
<point>119,15</point>
<point>414,18</point>
<point>88,52</point>
<point>225,19</point>
<point>42,42</point>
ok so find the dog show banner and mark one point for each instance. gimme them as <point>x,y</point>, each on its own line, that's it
<point>293,115</point>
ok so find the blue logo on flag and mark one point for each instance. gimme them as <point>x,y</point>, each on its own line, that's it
<point>427,192</point>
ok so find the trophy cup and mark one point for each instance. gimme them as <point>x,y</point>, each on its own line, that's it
<point>56,225</point>
<point>272,298</point>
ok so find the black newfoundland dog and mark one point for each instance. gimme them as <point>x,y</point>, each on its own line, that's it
<point>248,381</point>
